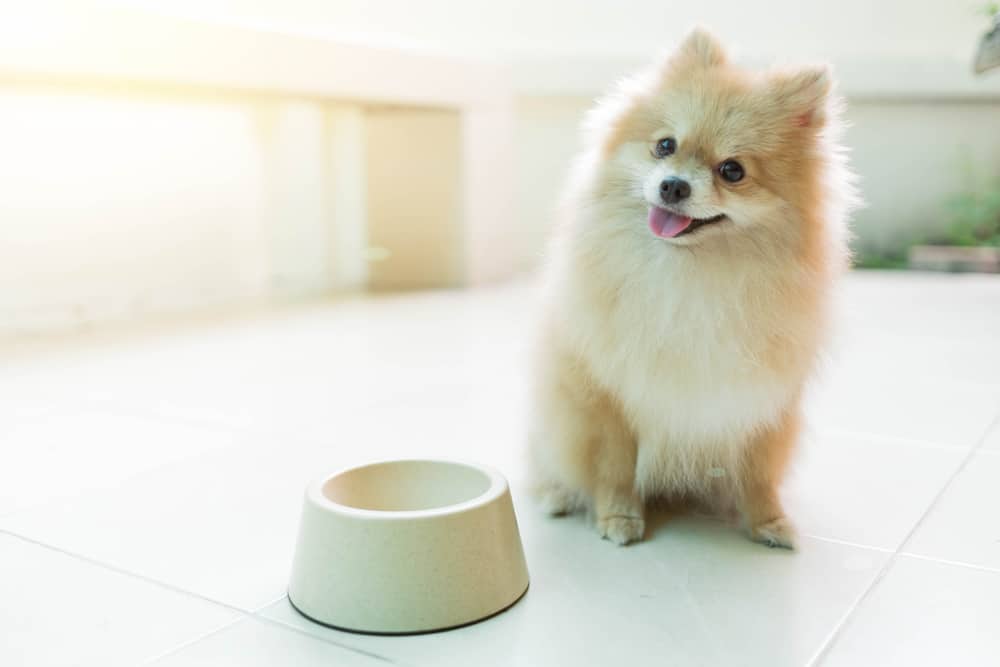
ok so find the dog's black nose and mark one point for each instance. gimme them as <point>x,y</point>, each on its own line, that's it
<point>673,189</point>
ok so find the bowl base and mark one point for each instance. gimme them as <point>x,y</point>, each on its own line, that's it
<point>412,632</point>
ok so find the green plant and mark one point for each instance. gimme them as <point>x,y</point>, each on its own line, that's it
<point>973,214</point>
<point>975,218</point>
<point>880,259</point>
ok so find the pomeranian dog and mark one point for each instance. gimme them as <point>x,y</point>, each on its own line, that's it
<point>687,292</point>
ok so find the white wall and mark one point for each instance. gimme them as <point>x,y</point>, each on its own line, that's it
<point>913,156</point>
<point>920,119</point>
<point>114,206</point>
<point>228,165</point>
<point>70,236</point>
<point>898,29</point>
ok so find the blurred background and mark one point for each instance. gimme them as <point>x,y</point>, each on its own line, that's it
<point>175,156</point>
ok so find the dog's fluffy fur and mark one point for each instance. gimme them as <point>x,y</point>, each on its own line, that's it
<point>675,367</point>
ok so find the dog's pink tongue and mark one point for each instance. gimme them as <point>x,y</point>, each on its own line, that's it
<point>666,224</point>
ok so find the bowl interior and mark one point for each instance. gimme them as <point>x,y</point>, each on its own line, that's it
<point>399,486</point>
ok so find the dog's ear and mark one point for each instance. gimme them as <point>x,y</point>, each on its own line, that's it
<point>700,48</point>
<point>803,94</point>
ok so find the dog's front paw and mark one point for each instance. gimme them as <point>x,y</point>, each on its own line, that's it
<point>775,533</point>
<point>557,500</point>
<point>621,530</point>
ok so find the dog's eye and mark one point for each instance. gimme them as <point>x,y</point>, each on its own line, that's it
<point>665,147</point>
<point>731,170</point>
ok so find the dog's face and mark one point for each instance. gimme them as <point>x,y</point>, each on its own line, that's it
<point>708,149</point>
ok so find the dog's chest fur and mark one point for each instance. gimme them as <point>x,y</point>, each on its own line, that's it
<point>699,354</point>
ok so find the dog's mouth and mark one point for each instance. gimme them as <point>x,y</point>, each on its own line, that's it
<point>668,225</point>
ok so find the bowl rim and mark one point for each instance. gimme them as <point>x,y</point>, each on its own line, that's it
<point>498,486</point>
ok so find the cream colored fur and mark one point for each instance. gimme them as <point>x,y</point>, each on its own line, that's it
<point>675,367</point>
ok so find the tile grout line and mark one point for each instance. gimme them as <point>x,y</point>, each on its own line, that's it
<point>124,409</point>
<point>902,441</point>
<point>258,610</point>
<point>194,640</point>
<point>835,634</point>
<point>253,616</point>
<point>222,423</point>
<point>953,563</point>
<point>127,573</point>
<point>299,631</point>
<point>846,543</point>
<point>242,614</point>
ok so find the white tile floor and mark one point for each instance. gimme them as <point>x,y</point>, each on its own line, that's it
<point>150,488</point>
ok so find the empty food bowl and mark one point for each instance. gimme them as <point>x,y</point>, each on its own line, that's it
<point>403,547</point>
